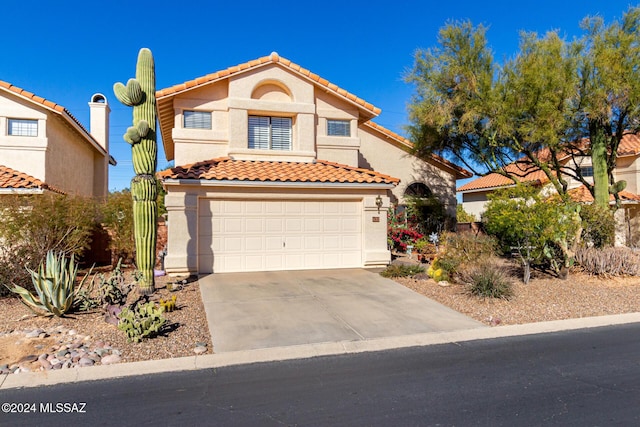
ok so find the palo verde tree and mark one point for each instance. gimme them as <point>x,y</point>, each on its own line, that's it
<point>608,102</point>
<point>140,93</point>
<point>533,111</point>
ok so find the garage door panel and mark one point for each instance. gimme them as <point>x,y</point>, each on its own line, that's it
<point>259,235</point>
<point>254,225</point>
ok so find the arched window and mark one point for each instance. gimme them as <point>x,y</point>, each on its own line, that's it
<point>418,189</point>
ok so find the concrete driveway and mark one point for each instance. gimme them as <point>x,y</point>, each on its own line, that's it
<point>248,311</point>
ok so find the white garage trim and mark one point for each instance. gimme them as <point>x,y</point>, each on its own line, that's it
<point>279,234</point>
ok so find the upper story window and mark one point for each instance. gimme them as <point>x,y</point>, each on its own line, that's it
<point>23,127</point>
<point>270,133</point>
<point>586,171</point>
<point>197,119</point>
<point>338,128</point>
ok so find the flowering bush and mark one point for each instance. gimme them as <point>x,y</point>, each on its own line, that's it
<point>401,237</point>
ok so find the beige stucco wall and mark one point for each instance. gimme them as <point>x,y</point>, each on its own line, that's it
<point>59,155</point>
<point>627,170</point>
<point>381,156</point>
<point>23,153</point>
<point>182,209</point>
<point>70,161</point>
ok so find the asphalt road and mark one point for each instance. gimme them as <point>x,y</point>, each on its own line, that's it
<point>588,377</point>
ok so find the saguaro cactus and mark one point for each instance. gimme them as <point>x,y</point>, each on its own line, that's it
<point>140,93</point>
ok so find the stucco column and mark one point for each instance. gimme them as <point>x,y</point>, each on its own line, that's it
<point>182,226</point>
<point>376,253</point>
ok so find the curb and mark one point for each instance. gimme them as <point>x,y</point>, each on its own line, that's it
<point>211,361</point>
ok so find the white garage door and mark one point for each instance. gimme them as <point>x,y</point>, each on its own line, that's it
<point>262,235</point>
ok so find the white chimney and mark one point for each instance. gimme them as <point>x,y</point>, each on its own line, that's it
<point>99,126</point>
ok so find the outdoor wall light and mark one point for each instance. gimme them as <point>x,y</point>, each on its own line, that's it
<point>379,202</point>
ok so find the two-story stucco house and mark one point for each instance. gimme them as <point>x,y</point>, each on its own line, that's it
<point>279,169</point>
<point>43,147</point>
<point>475,193</point>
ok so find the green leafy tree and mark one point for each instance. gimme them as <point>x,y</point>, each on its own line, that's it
<point>542,230</point>
<point>608,104</point>
<point>533,110</point>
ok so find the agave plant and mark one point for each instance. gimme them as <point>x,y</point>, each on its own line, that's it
<point>55,285</point>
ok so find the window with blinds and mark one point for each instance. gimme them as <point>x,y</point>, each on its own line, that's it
<point>338,128</point>
<point>269,133</point>
<point>197,119</point>
<point>22,127</point>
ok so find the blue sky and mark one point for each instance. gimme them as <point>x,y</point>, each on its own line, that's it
<point>68,50</point>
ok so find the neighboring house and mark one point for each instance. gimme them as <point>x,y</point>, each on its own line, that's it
<point>44,147</point>
<point>279,169</point>
<point>475,193</point>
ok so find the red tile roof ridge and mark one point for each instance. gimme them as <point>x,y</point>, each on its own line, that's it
<point>49,104</point>
<point>274,58</point>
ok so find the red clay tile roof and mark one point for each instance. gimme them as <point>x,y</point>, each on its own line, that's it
<point>629,146</point>
<point>522,172</point>
<point>226,168</point>
<point>271,59</point>
<point>52,106</point>
<point>407,145</point>
<point>15,180</point>
<point>583,195</point>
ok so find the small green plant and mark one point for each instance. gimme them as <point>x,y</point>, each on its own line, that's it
<point>55,286</point>
<point>168,304</point>
<point>402,270</point>
<point>487,280</point>
<point>141,321</point>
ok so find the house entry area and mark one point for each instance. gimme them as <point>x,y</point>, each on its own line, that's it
<point>280,234</point>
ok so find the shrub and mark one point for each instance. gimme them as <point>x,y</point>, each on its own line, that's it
<point>402,270</point>
<point>545,231</point>
<point>613,261</point>
<point>117,216</point>
<point>401,237</point>
<point>33,225</point>
<point>459,249</point>
<point>599,225</point>
<point>464,216</point>
<point>487,280</point>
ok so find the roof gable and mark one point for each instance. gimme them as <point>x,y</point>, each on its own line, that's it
<point>57,109</point>
<point>166,96</point>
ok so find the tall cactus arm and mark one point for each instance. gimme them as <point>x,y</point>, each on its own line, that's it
<point>129,95</point>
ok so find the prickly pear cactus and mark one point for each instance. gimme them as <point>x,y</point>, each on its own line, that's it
<point>140,93</point>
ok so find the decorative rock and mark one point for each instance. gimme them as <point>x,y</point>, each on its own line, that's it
<point>55,361</point>
<point>62,353</point>
<point>34,334</point>
<point>85,361</point>
<point>72,332</point>
<point>45,364</point>
<point>57,365</point>
<point>110,359</point>
<point>200,350</point>
<point>27,359</point>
